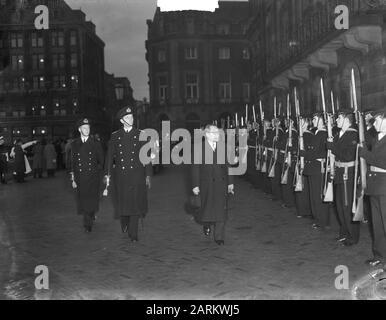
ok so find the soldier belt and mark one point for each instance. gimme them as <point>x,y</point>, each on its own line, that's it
<point>376,169</point>
<point>270,149</point>
<point>282,151</point>
<point>339,164</point>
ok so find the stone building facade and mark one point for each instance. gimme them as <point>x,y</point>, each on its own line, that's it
<point>199,65</point>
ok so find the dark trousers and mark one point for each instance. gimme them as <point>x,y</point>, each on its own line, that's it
<point>2,176</point>
<point>302,200</point>
<point>51,172</point>
<point>38,173</point>
<point>378,211</point>
<point>88,219</point>
<point>288,191</point>
<point>348,228</point>
<point>219,229</point>
<point>131,223</point>
<point>19,177</point>
<point>275,182</point>
<point>319,209</point>
<point>266,182</point>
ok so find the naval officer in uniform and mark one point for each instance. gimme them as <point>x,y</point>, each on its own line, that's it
<point>86,172</point>
<point>128,176</point>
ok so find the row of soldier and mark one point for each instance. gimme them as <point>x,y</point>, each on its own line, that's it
<point>313,163</point>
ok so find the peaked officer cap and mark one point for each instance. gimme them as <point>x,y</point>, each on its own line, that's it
<point>82,122</point>
<point>124,112</point>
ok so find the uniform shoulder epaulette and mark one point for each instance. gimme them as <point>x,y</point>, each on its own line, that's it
<point>351,130</point>
<point>115,132</point>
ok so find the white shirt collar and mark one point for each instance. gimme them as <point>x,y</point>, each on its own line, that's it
<point>127,129</point>
<point>84,139</point>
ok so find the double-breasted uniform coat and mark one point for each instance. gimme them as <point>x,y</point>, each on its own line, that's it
<point>87,160</point>
<point>128,174</point>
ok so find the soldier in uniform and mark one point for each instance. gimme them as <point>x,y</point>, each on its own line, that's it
<point>280,151</point>
<point>86,169</point>
<point>315,155</point>
<point>130,178</point>
<point>288,193</point>
<point>3,161</point>
<point>302,198</point>
<point>267,155</point>
<point>344,148</point>
<point>376,188</point>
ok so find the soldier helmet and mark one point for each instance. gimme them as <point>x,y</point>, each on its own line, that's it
<point>82,122</point>
<point>124,112</point>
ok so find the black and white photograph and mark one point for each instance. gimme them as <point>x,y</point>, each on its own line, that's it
<point>192,150</point>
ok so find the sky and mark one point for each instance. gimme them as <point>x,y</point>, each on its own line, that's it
<point>121,24</point>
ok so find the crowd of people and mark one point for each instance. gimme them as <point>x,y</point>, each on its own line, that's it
<point>37,158</point>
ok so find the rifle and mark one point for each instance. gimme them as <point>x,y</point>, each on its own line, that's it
<point>272,165</point>
<point>360,164</point>
<point>287,162</point>
<point>258,148</point>
<point>328,191</point>
<point>264,154</point>
<point>298,178</point>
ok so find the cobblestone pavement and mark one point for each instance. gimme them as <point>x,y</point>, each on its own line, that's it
<point>268,253</point>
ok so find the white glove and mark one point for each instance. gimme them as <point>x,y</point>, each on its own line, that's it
<point>196,191</point>
<point>74,185</point>
<point>231,189</point>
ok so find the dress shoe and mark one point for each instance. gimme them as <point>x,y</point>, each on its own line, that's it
<point>206,230</point>
<point>373,262</point>
<point>220,242</point>
<point>133,239</point>
<point>340,239</point>
<point>87,229</point>
<point>347,243</point>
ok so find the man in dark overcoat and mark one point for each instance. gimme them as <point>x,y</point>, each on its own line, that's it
<point>127,175</point>
<point>86,172</point>
<point>211,180</point>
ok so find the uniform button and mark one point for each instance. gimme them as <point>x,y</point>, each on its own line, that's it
<point>131,167</point>
<point>80,170</point>
<point>123,168</point>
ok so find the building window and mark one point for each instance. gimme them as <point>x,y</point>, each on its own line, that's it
<point>190,26</point>
<point>38,61</point>
<point>224,53</point>
<point>17,62</point>
<point>223,28</point>
<point>37,40</point>
<point>161,55</point>
<point>246,55</point>
<point>74,81</point>
<point>59,82</point>
<point>58,61</point>
<point>38,82</point>
<point>119,92</point>
<point>246,91</point>
<point>162,87</point>
<point>19,84</point>
<point>74,60</point>
<point>191,53</point>
<point>73,38</point>
<point>191,86</point>
<point>16,40</point>
<point>57,38</point>
<point>225,91</point>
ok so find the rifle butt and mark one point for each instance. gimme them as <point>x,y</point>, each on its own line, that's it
<point>329,194</point>
<point>359,211</point>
